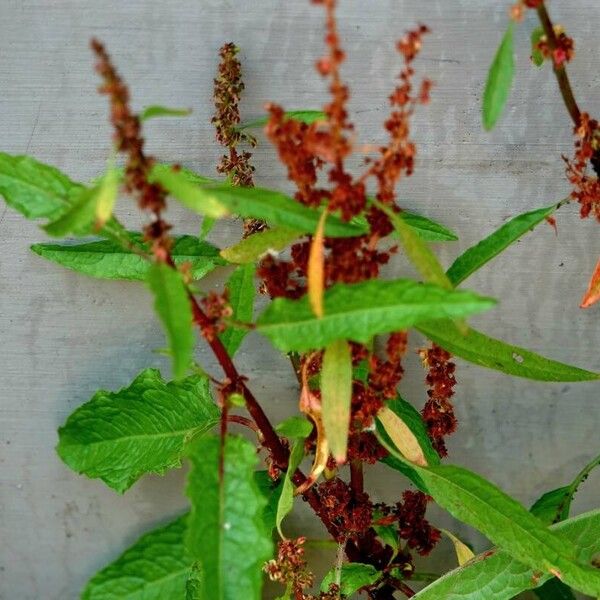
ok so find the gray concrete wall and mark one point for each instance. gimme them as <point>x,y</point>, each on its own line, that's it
<point>63,335</point>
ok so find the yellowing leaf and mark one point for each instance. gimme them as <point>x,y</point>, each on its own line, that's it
<point>402,436</point>
<point>463,553</point>
<point>107,196</point>
<point>592,294</point>
<point>316,264</point>
<point>336,394</point>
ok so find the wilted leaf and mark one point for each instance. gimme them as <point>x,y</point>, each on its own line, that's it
<point>316,268</point>
<point>401,436</point>
<point>592,294</point>
<point>336,396</point>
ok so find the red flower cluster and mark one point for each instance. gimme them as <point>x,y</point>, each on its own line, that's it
<point>438,412</point>
<point>413,527</point>
<point>128,139</point>
<point>217,309</point>
<point>586,187</point>
<point>561,49</point>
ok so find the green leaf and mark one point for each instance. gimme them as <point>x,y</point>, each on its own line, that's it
<point>480,504</point>
<point>155,567</point>
<point>120,436</point>
<point>359,311</point>
<point>172,305</point>
<point>286,499</point>
<point>353,577</point>
<point>207,225</point>
<point>294,427</point>
<point>193,586</point>
<point>554,590</point>
<point>336,395</point>
<point>79,218</point>
<point>255,246</point>
<point>555,505</point>
<point>153,111</point>
<point>495,574</point>
<point>485,351</point>
<point>499,81</point>
<point>271,491</point>
<point>106,259</point>
<point>34,189</point>
<point>220,200</point>
<point>226,532</point>
<point>537,58</point>
<point>427,229</point>
<point>419,253</point>
<point>304,116</point>
<point>475,257</point>
<point>241,298</point>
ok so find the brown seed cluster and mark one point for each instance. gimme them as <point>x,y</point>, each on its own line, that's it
<point>586,187</point>
<point>413,527</point>
<point>128,139</point>
<point>290,568</point>
<point>438,412</point>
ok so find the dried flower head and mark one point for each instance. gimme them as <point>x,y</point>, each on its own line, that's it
<point>290,568</point>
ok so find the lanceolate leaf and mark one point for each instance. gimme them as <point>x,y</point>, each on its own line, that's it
<point>495,574</point>
<point>151,112</point>
<point>226,532</point>
<point>419,253</point>
<point>156,567</point>
<point>555,505</point>
<point>336,395</point>
<point>475,257</point>
<point>401,436</point>
<point>120,436</point>
<point>34,189</point>
<point>255,246</point>
<point>428,230</point>
<point>480,504</point>
<point>286,499</point>
<point>499,81</point>
<point>108,260</point>
<point>305,116</point>
<point>353,576</point>
<point>172,305</point>
<point>241,298</point>
<point>316,268</point>
<point>488,352</point>
<point>220,200</point>
<point>359,311</point>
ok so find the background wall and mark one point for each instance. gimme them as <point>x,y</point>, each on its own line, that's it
<point>64,336</point>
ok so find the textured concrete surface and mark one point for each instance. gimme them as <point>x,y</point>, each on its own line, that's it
<point>63,335</point>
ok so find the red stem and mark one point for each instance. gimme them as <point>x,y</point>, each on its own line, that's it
<point>560,71</point>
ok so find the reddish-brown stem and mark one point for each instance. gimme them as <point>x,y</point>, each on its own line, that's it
<point>245,422</point>
<point>356,477</point>
<point>560,71</point>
